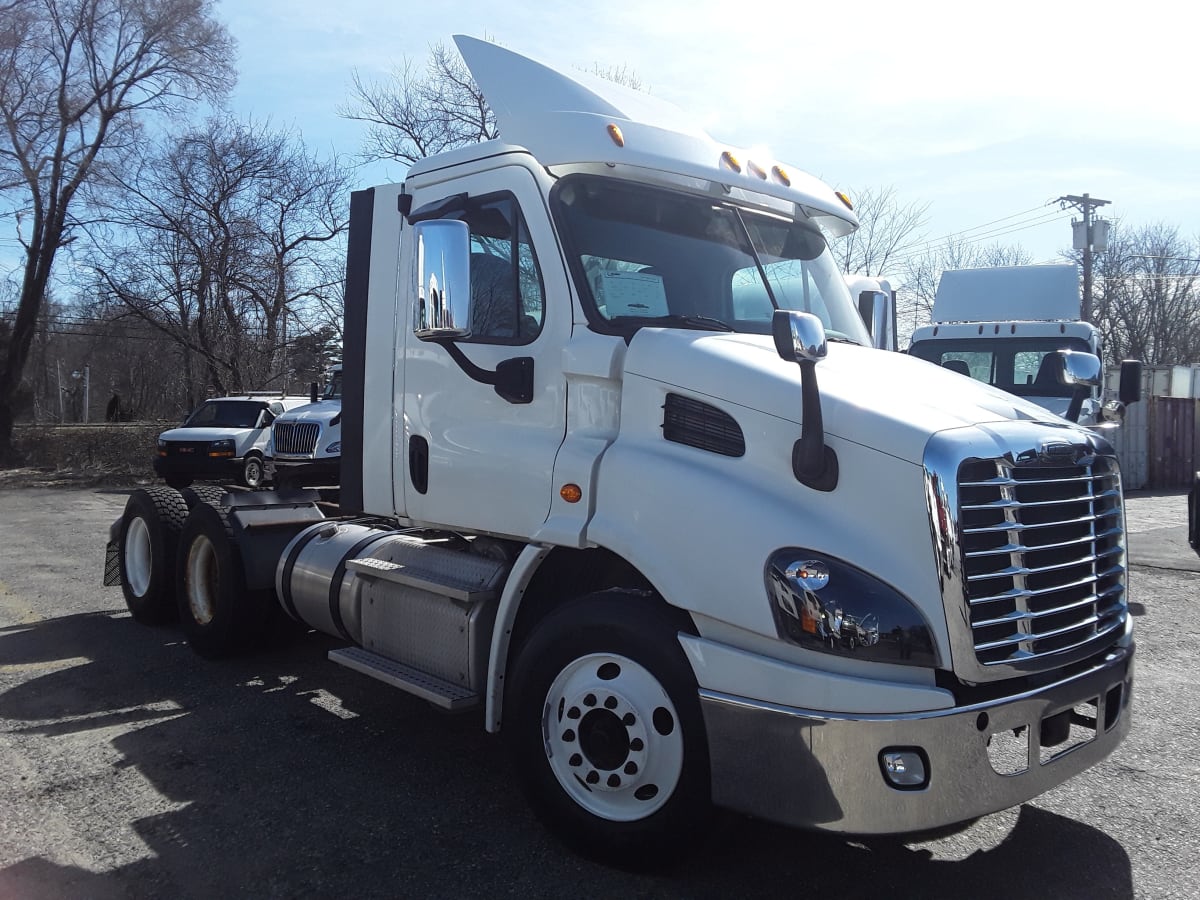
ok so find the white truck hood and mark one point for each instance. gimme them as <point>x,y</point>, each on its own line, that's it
<point>876,398</point>
<point>321,412</point>
<point>206,434</point>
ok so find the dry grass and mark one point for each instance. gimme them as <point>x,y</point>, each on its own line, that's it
<point>84,455</point>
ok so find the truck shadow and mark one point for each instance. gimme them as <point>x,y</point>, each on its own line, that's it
<point>280,775</point>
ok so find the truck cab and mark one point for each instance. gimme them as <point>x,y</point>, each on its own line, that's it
<point>624,471</point>
<point>306,441</point>
<point>1008,326</point>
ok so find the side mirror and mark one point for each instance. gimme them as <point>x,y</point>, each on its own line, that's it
<point>878,312</point>
<point>800,338</point>
<point>1080,368</point>
<point>312,392</point>
<point>1083,371</point>
<point>265,418</point>
<point>442,276</point>
<point>1130,390</point>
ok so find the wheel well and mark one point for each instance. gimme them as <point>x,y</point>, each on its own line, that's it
<point>566,574</point>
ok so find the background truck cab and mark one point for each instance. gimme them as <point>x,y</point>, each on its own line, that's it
<point>1007,326</point>
<point>306,441</point>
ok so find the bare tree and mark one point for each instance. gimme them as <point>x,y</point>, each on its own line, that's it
<point>220,238</point>
<point>1148,295</point>
<point>77,77</point>
<point>889,229</point>
<point>421,111</point>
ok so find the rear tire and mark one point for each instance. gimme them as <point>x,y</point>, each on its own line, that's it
<point>220,617</point>
<point>204,493</point>
<point>150,528</point>
<point>605,730</point>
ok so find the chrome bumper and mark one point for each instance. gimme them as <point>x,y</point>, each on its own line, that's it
<point>818,770</point>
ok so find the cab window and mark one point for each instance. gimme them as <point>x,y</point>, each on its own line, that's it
<point>507,300</point>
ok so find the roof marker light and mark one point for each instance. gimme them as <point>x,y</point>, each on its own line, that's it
<point>756,170</point>
<point>781,175</point>
<point>729,161</point>
<point>842,196</point>
<point>614,132</point>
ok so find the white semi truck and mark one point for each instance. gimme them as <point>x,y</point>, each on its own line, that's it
<point>622,471</point>
<point>306,442</point>
<point>1008,326</point>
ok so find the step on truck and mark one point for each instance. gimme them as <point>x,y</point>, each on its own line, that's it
<point>623,475</point>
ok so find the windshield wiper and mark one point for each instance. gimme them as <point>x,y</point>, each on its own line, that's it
<point>700,323</point>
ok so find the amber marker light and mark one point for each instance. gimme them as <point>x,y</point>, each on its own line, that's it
<point>781,175</point>
<point>572,493</point>
<point>731,162</point>
<point>756,170</point>
<point>842,196</point>
<point>614,132</point>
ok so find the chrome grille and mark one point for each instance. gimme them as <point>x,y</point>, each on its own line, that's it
<point>1042,556</point>
<point>295,437</point>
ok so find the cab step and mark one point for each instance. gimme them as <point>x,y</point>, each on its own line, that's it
<point>437,691</point>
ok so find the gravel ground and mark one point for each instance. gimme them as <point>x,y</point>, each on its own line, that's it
<point>131,768</point>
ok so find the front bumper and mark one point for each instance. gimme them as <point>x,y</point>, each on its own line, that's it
<point>820,770</point>
<point>297,472</point>
<point>198,466</point>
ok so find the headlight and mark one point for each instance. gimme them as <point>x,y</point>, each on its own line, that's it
<point>824,604</point>
<point>221,448</point>
<point>335,447</point>
<point>162,447</point>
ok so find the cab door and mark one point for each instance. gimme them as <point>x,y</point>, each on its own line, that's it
<point>471,458</point>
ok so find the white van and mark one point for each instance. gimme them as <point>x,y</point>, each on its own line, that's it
<point>224,439</point>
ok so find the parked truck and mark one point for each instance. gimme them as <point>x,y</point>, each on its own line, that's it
<point>306,441</point>
<point>1009,327</point>
<point>623,473</point>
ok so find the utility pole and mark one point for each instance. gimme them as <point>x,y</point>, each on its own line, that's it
<point>1086,205</point>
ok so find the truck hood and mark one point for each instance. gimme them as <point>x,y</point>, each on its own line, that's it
<point>321,412</point>
<point>889,401</point>
<point>205,434</point>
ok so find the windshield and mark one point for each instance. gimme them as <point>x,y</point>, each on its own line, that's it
<point>1015,365</point>
<point>333,390</point>
<point>651,256</point>
<point>226,414</point>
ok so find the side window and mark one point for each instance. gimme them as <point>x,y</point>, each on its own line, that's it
<point>508,302</point>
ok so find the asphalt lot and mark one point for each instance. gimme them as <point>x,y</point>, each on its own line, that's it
<point>129,767</point>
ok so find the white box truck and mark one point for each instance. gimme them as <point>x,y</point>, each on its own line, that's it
<point>622,472</point>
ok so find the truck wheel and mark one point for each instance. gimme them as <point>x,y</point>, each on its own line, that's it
<point>253,472</point>
<point>219,615</point>
<point>204,493</point>
<point>150,528</point>
<point>605,730</point>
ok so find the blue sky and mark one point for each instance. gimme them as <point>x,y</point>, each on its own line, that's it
<point>984,113</point>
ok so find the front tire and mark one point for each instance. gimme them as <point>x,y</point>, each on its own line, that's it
<point>150,528</point>
<point>220,617</point>
<point>254,473</point>
<point>605,730</point>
